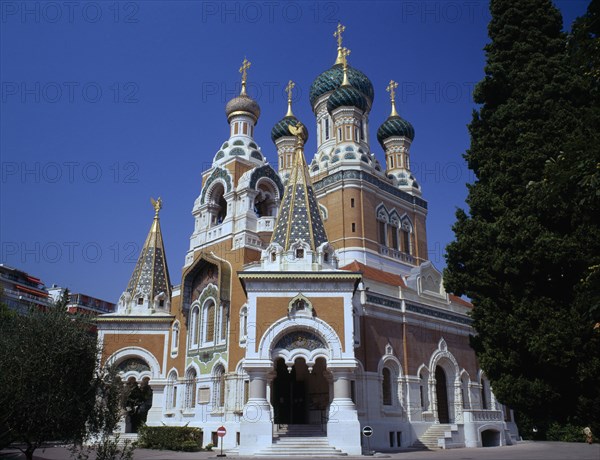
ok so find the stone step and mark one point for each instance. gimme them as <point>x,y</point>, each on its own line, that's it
<point>305,442</point>
<point>429,439</point>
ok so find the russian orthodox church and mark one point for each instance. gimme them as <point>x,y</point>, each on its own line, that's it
<point>307,306</point>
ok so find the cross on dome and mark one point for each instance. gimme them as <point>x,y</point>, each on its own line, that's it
<point>391,88</point>
<point>345,52</point>
<point>338,35</point>
<point>289,88</point>
<point>244,71</point>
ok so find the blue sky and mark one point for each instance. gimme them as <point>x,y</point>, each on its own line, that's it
<point>107,103</point>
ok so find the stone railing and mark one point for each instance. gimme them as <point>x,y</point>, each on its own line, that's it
<point>393,253</point>
<point>482,415</point>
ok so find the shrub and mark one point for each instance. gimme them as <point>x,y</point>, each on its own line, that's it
<point>170,438</point>
<point>190,446</point>
<point>565,433</point>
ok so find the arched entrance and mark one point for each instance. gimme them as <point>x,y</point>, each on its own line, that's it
<point>138,401</point>
<point>300,394</point>
<point>441,390</point>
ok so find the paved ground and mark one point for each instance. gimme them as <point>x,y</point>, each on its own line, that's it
<point>521,451</point>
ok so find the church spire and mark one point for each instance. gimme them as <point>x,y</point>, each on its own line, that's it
<point>299,216</point>
<point>150,282</point>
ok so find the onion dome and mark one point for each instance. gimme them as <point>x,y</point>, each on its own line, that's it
<point>395,126</point>
<point>332,78</point>
<point>242,104</point>
<point>281,128</point>
<point>346,96</point>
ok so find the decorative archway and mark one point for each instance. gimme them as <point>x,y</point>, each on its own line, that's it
<point>449,374</point>
<point>324,332</point>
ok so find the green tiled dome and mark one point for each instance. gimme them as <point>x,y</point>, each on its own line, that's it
<point>281,128</point>
<point>395,126</point>
<point>346,96</point>
<point>331,80</point>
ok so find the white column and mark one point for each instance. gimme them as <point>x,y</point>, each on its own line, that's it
<point>343,427</point>
<point>256,427</point>
<point>155,413</point>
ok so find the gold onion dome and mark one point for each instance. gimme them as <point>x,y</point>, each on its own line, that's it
<point>243,104</point>
<point>281,128</point>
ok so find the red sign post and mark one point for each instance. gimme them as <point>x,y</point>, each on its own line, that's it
<point>221,432</point>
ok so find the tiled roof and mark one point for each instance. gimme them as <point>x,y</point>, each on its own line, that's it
<point>151,275</point>
<point>375,274</point>
<point>299,216</point>
<point>460,301</point>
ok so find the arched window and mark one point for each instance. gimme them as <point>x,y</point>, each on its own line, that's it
<point>217,205</point>
<point>265,203</point>
<point>382,231</point>
<point>464,388</point>
<point>406,240</point>
<point>486,393</point>
<point>386,387</point>
<point>195,326</point>
<point>208,322</point>
<point>175,338</point>
<point>424,389</point>
<point>222,323</point>
<point>190,389</point>
<point>171,396</point>
<point>243,323</point>
<point>218,387</point>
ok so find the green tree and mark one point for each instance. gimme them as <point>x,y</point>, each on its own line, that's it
<point>531,238</point>
<point>63,301</point>
<point>51,387</point>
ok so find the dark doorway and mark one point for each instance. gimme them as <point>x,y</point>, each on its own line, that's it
<point>442,395</point>
<point>138,401</point>
<point>302,395</point>
<point>490,438</point>
<point>289,395</point>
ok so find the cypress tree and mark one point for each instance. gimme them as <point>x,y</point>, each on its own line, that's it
<point>527,247</point>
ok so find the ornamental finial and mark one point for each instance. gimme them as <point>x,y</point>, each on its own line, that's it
<point>392,90</point>
<point>289,88</point>
<point>244,71</point>
<point>157,205</point>
<point>338,35</point>
<point>345,52</point>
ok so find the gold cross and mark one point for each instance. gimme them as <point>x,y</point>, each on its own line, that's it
<point>338,33</point>
<point>345,54</point>
<point>244,69</point>
<point>392,89</point>
<point>289,88</point>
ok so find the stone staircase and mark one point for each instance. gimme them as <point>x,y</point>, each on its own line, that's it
<point>429,439</point>
<point>300,441</point>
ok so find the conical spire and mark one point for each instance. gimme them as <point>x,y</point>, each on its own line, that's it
<point>151,274</point>
<point>299,216</point>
